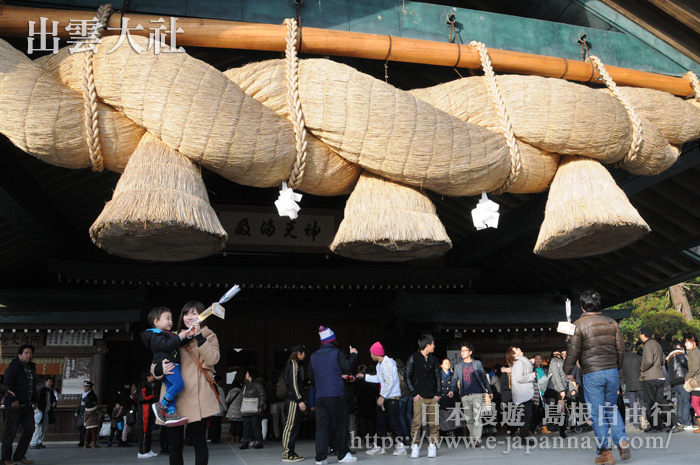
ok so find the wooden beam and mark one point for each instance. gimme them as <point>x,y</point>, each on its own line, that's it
<point>670,32</point>
<point>199,32</point>
<point>648,259</point>
<point>648,273</point>
<point>682,205</point>
<point>681,10</point>
<point>356,275</point>
<point>656,286</point>
<point>680,267</point>
<point>689,180</point>
<point>660,265</point>
<point>667,217</point>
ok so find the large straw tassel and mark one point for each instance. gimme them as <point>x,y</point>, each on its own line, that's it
<point>160,209</point>
<point>388,221</point>
<point>586,213</point>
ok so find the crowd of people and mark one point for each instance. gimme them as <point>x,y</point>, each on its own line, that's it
<point>390,406</point>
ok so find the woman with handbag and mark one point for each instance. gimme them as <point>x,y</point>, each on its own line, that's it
<point>692,378</point>
<point>251,409</point>
<point>199,399</point>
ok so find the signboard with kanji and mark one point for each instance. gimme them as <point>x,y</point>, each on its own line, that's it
<point>262,229</point>
<point>12,339</point>
<point>70,338</point>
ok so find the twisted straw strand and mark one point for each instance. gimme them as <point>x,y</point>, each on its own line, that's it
<point>294,103</point>
<point>637,133</point>
<point>91,121</point>
<point>506,126</point>
<point>694,83</point>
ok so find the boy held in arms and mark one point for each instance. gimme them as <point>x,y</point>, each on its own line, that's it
<point>165,345</point>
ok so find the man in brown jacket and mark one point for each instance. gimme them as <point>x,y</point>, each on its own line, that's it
<point>597,343</point>
<point>652,375</point>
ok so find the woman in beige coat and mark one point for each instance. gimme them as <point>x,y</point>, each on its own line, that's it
<point>197,400</point>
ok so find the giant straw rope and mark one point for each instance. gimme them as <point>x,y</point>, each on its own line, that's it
<point>458,138</point>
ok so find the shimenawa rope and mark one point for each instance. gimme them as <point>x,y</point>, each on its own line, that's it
<point>694,83</point>
<point>504,120</point>
<point>92,128</point>
<point>294,102</point>
<point>637,133</point>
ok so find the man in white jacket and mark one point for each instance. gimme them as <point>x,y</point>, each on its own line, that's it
<point>388,402</point>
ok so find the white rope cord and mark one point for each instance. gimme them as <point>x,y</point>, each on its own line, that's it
<point>637,133</point>
<point>506,126</point>
<point>294,103</point>
<point>92,128</point>
<point>694,83</point>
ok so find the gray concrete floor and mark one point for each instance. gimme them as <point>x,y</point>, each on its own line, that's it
<point>651,449</point>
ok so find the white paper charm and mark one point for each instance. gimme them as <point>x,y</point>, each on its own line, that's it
<point>230,293</point>
<point>286,203</point>
<point>216,308</point>
<point>485,215</point>
<point>566,327</point>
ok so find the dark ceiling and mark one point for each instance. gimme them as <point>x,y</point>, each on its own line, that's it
<point>46,212</point>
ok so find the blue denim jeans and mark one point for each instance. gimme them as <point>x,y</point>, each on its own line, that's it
<point>682,404</point>
<point>173,385</point>
<point>600,389</point>
<point>406,415</point>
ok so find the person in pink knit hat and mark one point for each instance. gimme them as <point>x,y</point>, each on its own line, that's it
<point>387,403</point>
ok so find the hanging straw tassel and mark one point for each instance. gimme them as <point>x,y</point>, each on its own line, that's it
<point>160,210</point>
<point>586,213</point>
<point>387,221</point>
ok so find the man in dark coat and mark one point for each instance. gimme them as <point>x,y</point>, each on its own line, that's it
<point>597,343</point>
<point>658,410</point>
<point>326,370</point>
<point>423,379</point>
<point>20,402</point>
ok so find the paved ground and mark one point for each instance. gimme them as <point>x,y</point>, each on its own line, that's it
<point>676,449</point>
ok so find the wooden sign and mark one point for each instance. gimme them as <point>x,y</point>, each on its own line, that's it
<point>262,229</point>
